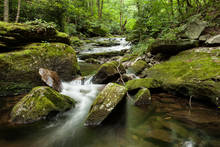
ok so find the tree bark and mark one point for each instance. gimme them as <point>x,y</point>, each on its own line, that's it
<point>179,7</point>
<point>121,15</point>
<point>171,6</point>
<point>18,11</point>
<point>98,6</point>
<point>6,10</point>
<point>101,8</point>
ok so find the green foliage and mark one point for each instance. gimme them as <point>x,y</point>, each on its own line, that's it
<point>39,23</point>
<point>142,47</point>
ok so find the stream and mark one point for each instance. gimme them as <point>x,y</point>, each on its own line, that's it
<point>168,121</point>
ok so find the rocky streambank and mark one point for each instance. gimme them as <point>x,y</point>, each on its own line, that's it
<point>25,50</point>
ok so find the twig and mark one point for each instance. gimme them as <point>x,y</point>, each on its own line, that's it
<point>121,78</point>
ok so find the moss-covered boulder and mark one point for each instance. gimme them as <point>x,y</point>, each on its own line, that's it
<point>39,104</point>
<point>143,97</point>
<point>13,34</point>
<point>193,73</point>
<point>104,103</point>
<point>19,69</point>
<point>142,83</point>
<point>138,67</point>
<point>171,47</point>
<point>108,72</point>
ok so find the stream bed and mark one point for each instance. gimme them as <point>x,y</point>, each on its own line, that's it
<point>167,121</point>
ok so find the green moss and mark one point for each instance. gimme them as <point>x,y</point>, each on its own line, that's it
<point>105,102</point>
<point>142,97</point>
<point>31,32</point>
<point>8,27</point>
<point>138,67</point>
<point>140,83</point>
<point>75,41</point>
<point>39,103</point>
<point>61,34</point>
<point>128,57</point>
<point>191,73</point>
<point>22,66</point>
<point>108,72</point>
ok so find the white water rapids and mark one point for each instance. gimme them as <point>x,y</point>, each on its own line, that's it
<point>83,93</point>
<point>123,45</point>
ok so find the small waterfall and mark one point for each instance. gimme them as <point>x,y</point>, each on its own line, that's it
<point>84,92</point>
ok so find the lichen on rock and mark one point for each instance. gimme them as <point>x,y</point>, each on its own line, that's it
<point>38,104</point>
<point>104,103</point>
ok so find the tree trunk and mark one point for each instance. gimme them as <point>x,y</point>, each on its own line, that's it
<point>91,7</point>
<point>138,6</point>
<point>179,7</point>
<point>121,15</point>
<point>101,8</point>
<point>98,6</point>
<point>18,11</point>
<point>6,10</point>
<point>171,6</point>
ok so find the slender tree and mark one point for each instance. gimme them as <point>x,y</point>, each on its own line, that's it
<point>101,9</point>
<point>98,6</point>
<point>18,11</point>
<point>6,10</point>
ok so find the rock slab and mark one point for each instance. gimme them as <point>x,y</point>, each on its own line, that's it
<point>104,103</point>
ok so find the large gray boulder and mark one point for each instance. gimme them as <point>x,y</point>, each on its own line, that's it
<point>104,103</point>
<point>39,104</point>
<point>194,29</point>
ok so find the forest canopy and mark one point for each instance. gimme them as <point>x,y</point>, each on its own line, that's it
<point>77,17</point>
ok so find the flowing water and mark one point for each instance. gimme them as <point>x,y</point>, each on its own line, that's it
<point>167,121</point>
<point>122,45</point>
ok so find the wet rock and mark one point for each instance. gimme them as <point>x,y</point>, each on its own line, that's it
<point>170,47</point>
<point>215,40</point>
<point>203,38</point>
<point>143,97</point>
<point>19,69</point>
<point>51,79</point>
<point>105,102</point>
<point>191,73</point>
<point>140,83</point>
<point>108,72</point>
<point>194,29</point>
<point>40,103</point>
<point>92,60</point>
